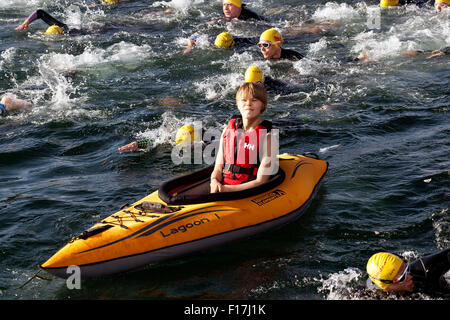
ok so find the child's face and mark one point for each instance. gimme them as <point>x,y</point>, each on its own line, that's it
<point>249,107</point>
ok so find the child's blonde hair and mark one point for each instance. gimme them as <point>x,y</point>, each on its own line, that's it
<point>253,90</point>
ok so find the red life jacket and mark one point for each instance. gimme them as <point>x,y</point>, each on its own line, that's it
<point>241,160</point>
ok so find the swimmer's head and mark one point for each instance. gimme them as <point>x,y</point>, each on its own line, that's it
<point>237,3</point>
<point>439,5</point>
<point>232,8</point>
<point>272,36</point>
<point>382,267</point>
<point>109,2</point>
<point>224,40</point>
<point>54,30</point>
<point>388,3</point>
<point>254,74</point>
<point>186,135</point>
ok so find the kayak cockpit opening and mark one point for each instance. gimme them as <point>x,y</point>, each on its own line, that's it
<point>195,188</point>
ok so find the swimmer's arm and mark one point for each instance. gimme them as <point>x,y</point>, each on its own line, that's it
<point>133,146</point>
<point>190,46</point>
<point>30,19</point>
<point>437,53</point>
<point>412,53</point>
<point>9,103</point>
<point>44,16</point>
<point>191,43</point>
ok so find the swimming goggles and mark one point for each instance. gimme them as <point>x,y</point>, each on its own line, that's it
<point>399,280</point>
<point>267,45</point>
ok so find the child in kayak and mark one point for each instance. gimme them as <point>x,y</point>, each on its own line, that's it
<point>246,156</point>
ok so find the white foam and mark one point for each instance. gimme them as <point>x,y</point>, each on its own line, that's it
<point>424,31</point>
<point>326,149</point>
<point>19,3</point>
<point>178,4</point>
<point>318,46</point>
<point>333,11</point>
<point>219,86</point>
<point>122,53</point>
<point>340,286</point>
<point>7,57</point>
<point>165,133</point>
<point>441,225</point>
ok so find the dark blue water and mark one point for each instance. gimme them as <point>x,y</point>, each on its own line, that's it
<point>383,126</point>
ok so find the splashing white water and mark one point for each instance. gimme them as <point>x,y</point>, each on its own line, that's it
<point>165,133</point>
<point>441,223</point>
<point>340,286</point>
<point>336,12</point>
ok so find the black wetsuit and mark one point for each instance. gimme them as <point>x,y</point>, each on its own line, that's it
<point>290,55</point>
<point>281,87</point>
<point>446,50</point>
<point>428,272</point>
<point>277,86</point>
<point>419,3</point>
<point>247,14</point>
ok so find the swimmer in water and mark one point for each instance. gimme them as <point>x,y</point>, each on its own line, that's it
<point>391,274</point>
<point>223,40</point>
<point>8,103</point>
<point>255,75</point>
<point>105,3</point>
<point>56,27</point>
<point>270,43</point>
<point>235,9</point>
<point>185,135</point>
<point>439,5</point>
<point>436,53</point>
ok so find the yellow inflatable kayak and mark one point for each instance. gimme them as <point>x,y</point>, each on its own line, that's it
<point>183,217</point>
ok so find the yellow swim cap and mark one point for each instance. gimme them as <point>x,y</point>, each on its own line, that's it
<point>444,1</point>
<point>110,1</point>
<point>237,3</point>
<point>388,3</point>
<point>186,135</point>
<point>54,30</point>
<point>383,266</point>
<point>224,40</point>
<point>273,36</point>
<point>254,74</point>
